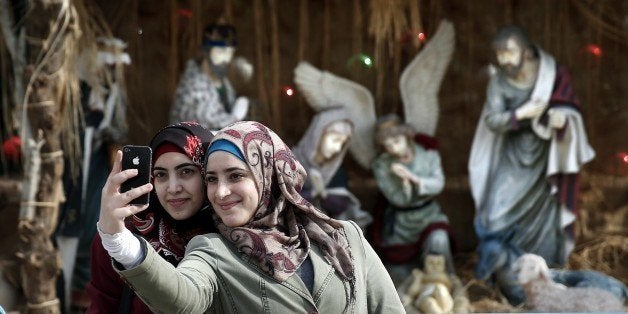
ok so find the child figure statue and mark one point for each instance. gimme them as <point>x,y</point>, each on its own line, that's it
<point>409,176</point>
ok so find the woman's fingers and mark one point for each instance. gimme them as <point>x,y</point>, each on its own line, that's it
<point>129,210</point>
<point>117,163</point>
<point>113,180</point>
<point>136,192</point>
<point>134,209</point>
<point>114,206</point>
<point>113,221</point>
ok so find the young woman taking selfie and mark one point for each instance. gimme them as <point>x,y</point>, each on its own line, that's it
<point>178,211</point>
<point>274,252</point>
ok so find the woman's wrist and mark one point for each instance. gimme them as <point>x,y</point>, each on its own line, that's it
<point>123,246</point>
<point>110,228</point>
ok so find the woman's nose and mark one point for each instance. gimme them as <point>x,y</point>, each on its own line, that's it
<point>174,186</point>
<point>222,190</point>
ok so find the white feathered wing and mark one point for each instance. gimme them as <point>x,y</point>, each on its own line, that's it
<point>323,89</point>
<point>421,79</point>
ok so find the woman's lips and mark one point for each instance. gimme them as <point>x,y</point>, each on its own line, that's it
<point>227,206</point>
<point>177,202</point>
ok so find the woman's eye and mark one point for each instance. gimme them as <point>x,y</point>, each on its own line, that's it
<point>209,179</point>
<point>186,172</point>
<point>158,174</point>
<point>236,176</point>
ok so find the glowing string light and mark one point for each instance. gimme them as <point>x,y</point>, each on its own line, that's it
<point>365,60</point>
<point>594,50</point>
<point>288,91</point>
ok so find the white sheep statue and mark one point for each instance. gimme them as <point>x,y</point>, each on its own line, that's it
<point>544,295</point>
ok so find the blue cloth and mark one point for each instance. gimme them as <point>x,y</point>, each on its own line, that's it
<point>207,43</point>
<point>225,146</point>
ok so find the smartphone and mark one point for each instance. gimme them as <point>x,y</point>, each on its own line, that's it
<point>140,158</point>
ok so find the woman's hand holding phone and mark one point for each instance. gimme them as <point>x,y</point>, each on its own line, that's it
<point>114,205</point>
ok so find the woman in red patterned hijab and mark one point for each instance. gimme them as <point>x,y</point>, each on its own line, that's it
<point>178,211</point>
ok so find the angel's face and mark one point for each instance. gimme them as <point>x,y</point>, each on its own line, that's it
<point>332,143</point>
<point>396,145</point>
<point>510,57</point>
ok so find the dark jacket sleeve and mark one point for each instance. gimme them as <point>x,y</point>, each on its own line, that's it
<point>106,287</point>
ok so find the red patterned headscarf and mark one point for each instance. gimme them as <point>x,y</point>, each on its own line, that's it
<point>169,236</point>
<point>278,236</point>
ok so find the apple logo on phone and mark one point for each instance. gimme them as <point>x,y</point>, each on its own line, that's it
<point>136,160</point>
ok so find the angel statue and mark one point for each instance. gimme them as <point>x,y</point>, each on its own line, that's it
<point>321,150</point>
<point>409,224</point>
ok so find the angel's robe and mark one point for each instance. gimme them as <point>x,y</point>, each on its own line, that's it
<point>407,217</point>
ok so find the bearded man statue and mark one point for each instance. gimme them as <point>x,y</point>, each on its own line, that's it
<point>529,146</point>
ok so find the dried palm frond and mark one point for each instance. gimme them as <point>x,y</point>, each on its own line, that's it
<point>387,24</point>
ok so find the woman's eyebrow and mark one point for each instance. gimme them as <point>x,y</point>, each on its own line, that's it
<point>230,169</point>
<point>183,165</point>
<point>177,167</point>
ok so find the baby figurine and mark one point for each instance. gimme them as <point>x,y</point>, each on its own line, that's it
<point>433,290</point>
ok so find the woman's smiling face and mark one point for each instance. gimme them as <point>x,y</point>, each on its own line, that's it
<point>178,184</point>
<point>231,188</point>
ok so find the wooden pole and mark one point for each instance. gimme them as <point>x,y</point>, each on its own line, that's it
<point>415,24</point>
<point>304,29</point>
<point>260,61</point>
<point>276,66</point>
<point>229,11</point>
<point>393,106</point>
<point>357,70</point>
<point>173,61</point>
<point>49,27</point>
<point>326,35</point>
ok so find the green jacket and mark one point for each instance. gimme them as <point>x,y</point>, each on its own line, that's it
<point>215,277</point>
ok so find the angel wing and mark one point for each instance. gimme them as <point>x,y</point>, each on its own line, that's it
<point>421,79</point>
<point>322,89</point>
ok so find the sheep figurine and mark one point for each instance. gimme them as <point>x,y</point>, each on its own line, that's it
<point>497,254</point>
<point>545,295</point>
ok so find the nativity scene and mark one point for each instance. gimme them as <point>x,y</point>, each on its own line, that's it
<point>406,156</point>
